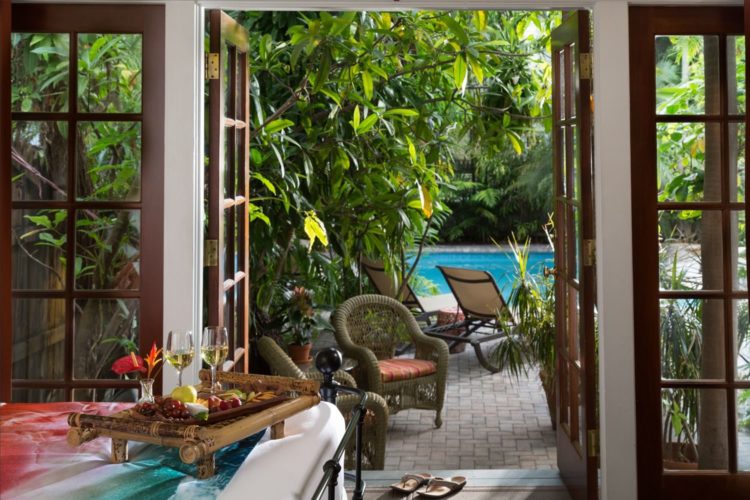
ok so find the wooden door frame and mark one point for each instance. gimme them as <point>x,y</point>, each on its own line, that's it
<point>576,27</point>
<point>142,19</point>
<point>6,321</point>
<point>652,480</point>
<point>218,284</point>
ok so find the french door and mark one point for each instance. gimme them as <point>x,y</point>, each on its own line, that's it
<point>574,257</point>
<point>227,252</point>
<point>6,323</point>
<point>689,140</point>
<point>82,186</point>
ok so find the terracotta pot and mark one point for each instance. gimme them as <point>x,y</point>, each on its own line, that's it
<point>679,456</point>
<point>299,353</point>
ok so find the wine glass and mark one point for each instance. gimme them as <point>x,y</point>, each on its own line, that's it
<point>179,351</point>
<point>214,350</point>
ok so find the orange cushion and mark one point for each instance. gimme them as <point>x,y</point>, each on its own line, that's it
<point>392,370</point>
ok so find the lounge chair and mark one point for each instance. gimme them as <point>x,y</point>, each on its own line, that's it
<point>481,301</point>
<point>385,285</point>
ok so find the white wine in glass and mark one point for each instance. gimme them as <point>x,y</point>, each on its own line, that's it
<point>214,350</point>
<point>179,351</point>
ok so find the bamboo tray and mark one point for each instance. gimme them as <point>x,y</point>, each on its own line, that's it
<point>198,443</point>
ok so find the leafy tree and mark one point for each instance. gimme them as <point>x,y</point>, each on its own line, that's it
<point>359,118</point>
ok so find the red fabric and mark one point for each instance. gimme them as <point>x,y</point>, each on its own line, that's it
<point>393,370</point>
<point>30,429</point>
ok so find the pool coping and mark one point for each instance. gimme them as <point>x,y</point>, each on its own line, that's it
<point>535,247</point>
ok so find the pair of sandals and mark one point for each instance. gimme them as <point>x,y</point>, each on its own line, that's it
<point>425,485</point>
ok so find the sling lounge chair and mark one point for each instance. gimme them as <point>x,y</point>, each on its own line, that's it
<point>385,285</point>
<point>482,302</point>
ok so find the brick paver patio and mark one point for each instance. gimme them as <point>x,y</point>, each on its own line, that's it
<point>490,421</point>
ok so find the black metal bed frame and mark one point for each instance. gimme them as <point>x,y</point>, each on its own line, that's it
<point>327,362</point>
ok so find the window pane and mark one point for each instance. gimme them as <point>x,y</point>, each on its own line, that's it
<point>743,429</point>
<point>104,330</point>
<point>38,339</point>
<point>742,334</point>
<point>39,160</point>
<point>737,162</point>
<point>108,249</point>
<point>106,395</point>
<point>684,152</point>
<point>110,73</point>
<point>694,429</point>
<point>738,237</point>
<point>38,244</point>
<point>39,71</point>
<point>109,161</point>
<point>736,73</point>
<point>37,395</point>
<point>687,75</point>
<point>690,253</point>
<point>691,335</point>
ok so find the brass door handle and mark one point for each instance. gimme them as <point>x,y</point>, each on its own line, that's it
<point>550,271</point>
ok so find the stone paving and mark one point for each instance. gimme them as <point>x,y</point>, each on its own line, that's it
<point>490,421</point>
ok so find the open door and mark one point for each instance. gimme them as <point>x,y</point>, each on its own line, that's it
<point>226,255</point>
<point>6,322</point>
<point>690,240</point>
<point>574,257</point>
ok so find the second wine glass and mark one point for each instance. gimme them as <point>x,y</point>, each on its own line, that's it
<point>179,351</point>
<point>214,350</point>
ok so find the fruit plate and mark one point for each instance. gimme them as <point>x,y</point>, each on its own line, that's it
<point>215,417</point>
<point>245,409</point>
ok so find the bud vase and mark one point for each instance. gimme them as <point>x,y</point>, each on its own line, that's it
<point>147,390</point>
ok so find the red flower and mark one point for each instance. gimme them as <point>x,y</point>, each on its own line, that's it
<point>128,364</point>
<point>153,359</point>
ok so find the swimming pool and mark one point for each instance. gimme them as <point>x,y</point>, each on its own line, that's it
<point>501,264</point>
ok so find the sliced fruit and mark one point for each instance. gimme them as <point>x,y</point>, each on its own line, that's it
<point>185,393</point>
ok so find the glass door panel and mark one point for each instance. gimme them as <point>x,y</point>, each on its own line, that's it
<point>689,246</point>
<point>86,281</point>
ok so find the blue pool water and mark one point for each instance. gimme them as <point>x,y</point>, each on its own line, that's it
<point>500,264</point>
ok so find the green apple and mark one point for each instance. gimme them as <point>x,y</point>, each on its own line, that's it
<point>185,393</point>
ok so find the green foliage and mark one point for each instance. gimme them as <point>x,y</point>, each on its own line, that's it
<point>532,307</point>
<point>359,117</point>
<point>501,195</point>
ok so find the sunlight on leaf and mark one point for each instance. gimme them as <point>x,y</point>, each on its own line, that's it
<point>315,229</point>
<point>426,200</point>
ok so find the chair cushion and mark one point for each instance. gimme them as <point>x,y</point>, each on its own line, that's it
<point>395,369</point>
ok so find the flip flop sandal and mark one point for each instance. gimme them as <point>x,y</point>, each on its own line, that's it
<point>411,482</point>
<point>439,487</point>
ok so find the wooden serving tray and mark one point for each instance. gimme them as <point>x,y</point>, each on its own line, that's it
<point>198,441</point>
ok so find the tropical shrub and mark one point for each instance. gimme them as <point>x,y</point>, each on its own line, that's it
<point>358,119</point>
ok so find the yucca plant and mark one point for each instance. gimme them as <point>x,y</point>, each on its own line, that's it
<point>532,305</point>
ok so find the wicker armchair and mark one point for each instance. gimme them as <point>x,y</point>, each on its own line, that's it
<point>376,420</point>
<point>368,328</point>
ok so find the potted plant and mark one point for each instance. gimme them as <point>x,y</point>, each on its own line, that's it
<point>301,324</point>
<point>532,305</point>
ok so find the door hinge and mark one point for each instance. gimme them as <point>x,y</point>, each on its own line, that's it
<point>210,253</point>
<point>592,442</point>
<point>212,66</point>
<point>589,252</point>
<point>585,64</point>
